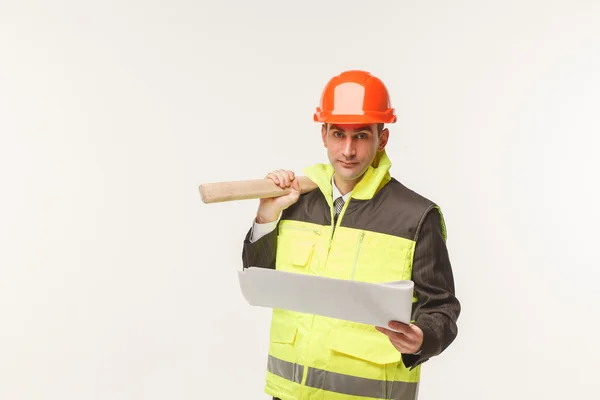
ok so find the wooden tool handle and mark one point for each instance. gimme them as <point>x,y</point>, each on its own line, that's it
<point>249,189</point>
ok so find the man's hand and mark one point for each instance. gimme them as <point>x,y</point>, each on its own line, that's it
<point>270,208</point>
<point>408,339</point>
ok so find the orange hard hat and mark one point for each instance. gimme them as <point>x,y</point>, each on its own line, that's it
<point>355,97</point>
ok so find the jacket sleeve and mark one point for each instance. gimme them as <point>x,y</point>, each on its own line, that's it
<point>437,309</point>
<point>260,253</point>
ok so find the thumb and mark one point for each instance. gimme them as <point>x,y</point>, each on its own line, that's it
<point>295,192</point>
<point>295,187</point>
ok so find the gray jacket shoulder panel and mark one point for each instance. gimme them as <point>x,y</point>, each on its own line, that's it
<point>395,210</point>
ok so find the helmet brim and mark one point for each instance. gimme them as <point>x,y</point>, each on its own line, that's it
<point>366,118</point>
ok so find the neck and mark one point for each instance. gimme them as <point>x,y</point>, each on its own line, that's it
<point>345,186</point>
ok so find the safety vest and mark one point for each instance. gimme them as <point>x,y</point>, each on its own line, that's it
<point>314,357</point>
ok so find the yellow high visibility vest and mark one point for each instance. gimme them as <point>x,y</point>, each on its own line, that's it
<point>314,357</point>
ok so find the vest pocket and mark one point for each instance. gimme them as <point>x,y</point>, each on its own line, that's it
<point>296,247</point>
<point>381,260</point>
<point>301,253</point>
<point>364,346</point>
<point>283,352</point>
<point>283,332</point>
<point>282,361</point>
<point>362,353</point>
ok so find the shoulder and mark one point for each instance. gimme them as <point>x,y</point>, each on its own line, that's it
<point>406,203</point>
<point>397,195</point>
<point>395,210</point>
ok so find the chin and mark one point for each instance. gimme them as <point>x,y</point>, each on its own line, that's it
<point>349,173</point>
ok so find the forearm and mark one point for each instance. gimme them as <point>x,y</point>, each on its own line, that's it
<point>439,331</point>
<point>260,250</point>
<point>437,308</point>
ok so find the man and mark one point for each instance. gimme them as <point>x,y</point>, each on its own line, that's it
<point>359,224</point>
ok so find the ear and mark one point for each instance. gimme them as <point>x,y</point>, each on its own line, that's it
<point>324,134</point>
<point>383,138</point>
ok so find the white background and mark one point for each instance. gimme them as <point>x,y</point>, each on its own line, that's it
<point>117,282</point>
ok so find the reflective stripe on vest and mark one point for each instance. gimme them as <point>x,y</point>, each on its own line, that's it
<point>343,384</point>
<point>285,369</point>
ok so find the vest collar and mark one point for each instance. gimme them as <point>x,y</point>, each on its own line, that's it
<point>373,179</point>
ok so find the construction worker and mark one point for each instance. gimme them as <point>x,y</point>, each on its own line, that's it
<point>360,224</point>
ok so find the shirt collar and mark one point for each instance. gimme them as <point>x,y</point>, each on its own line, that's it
<point>336,192</point>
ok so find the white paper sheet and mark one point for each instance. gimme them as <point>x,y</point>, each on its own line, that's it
<point>374,304</point>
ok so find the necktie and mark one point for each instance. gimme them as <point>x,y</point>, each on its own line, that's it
<point>337,206</point>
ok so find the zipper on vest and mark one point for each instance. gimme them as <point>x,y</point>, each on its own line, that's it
<point>358,246</point>
<point>302,228</point>
<point>334,227</point>
<point>331,212</point>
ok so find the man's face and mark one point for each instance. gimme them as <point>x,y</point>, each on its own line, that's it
<point>352,148</point>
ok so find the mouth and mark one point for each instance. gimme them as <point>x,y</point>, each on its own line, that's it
<point>348,164</point>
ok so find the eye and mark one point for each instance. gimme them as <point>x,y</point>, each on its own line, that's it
<point>362,136</point>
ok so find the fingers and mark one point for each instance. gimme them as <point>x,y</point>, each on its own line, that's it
<point>401,345</point>
<point>396,328</point>
<point>400,327</point>
<point>393,335</point>
<point>405,338</point>
<point>282,178</point>
<point>399,340</point>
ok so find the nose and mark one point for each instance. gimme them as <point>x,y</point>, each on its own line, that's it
<point>348,149</point>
